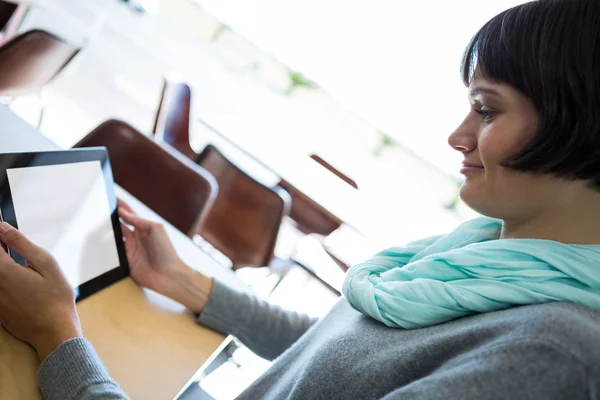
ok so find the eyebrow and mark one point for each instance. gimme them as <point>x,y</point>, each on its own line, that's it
<point>484,90</point>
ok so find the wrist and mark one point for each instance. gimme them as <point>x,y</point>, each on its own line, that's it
<point>51,341</point>
<point>190,288</point>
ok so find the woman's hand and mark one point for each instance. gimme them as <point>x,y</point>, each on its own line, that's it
<point>37,304</point>
<point>152,259</point>
<point>154,263</point>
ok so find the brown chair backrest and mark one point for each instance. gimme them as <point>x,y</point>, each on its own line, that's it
<point>309,216</point>
<point>334,170</point>
<point>245,219</point>
<point>7,10</point>
<point>172,124</point>
<point>31,60</point>
<point>166,181</point>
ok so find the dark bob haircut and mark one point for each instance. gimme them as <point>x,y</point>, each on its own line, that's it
<point>549,50</point>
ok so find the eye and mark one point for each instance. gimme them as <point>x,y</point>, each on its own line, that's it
<point>485,113</point>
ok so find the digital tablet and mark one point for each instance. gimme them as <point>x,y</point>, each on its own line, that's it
<point>64,202</point>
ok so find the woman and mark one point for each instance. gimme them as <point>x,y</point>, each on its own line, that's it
<point>500,308</point>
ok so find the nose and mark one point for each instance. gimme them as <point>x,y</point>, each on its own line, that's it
<point>464,138</point>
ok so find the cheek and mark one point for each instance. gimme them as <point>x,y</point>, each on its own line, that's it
<point>506,136</point>
<point>496,145</point>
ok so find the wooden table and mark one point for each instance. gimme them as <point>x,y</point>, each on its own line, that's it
<point>149,343</point>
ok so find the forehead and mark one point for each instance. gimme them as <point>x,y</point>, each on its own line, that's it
<point>482,87</point>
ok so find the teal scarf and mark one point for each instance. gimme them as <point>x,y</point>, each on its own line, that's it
<point>470,271</point>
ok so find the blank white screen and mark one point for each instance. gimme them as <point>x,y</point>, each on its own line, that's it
<point>64,209</point>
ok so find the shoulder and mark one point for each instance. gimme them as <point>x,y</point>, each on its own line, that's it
<point>567,328</point>
<point>559,322</point>
<point>525,368</point>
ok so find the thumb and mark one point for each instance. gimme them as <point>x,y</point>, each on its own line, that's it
<point>37,258</point>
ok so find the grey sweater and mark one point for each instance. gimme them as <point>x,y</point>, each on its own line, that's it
<point>549,351</point>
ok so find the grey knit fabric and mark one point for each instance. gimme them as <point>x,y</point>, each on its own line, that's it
<point>549,351</point>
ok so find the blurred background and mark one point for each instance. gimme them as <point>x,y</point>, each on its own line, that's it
<point>370,87</point>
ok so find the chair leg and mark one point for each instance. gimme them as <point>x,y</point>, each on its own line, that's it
<point>280,267</point>
<point>42,110</point>
<point>344,267</point>
<point>277,283</point>
<point>221,358</point>
<point>320,279</point>
<point>41,118</point>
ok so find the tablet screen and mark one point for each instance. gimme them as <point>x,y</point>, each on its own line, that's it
<point>72,222</point>
<point>64,202</point>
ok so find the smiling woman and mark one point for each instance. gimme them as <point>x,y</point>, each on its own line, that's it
<point>531,142</point>
<point>503,307</point>
<point>501,122</point>
<point>553,68</point>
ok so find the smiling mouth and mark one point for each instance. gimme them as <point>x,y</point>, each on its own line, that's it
<point>469,169</point>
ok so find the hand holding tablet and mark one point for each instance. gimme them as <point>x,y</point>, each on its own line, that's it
<point>37,304</point>
<point>155,264</point>
<point>65,242</point>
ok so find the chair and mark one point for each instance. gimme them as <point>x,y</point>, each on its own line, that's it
<point>173,186</point>
<point>334,170</point>
<point>310,218</point>
<point>172,123</point>
<point>313,220</point>
<point>245,219</point>
<point>31,60</point>
<point>172,126</point>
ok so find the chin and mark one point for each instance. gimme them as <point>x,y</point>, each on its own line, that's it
<point>476,200</point>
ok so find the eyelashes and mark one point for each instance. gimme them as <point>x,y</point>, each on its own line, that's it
<point>486,115</point>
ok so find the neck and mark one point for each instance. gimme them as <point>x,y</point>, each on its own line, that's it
<point>571,220</point>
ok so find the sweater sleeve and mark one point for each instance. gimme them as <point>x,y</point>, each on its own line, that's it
<point>74,372</point>
<point>527,369</point>
<point>266,329</point>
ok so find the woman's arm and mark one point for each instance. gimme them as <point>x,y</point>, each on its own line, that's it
<point>266,329</point>
<point>74,372</point>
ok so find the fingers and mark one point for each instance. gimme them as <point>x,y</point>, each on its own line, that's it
<point>3,247</point>
<point>122,204</point>
<point>4,256</point>
<point>134,220</point>
<point>37,258</point>
<point>7,264</point>
<point>127,232</point>
<point>11,272</point>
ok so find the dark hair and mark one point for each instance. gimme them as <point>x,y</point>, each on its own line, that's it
<point>549,50</point>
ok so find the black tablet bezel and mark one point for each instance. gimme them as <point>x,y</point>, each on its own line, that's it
<point>56,157</point>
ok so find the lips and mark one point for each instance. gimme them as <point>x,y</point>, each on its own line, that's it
<point>471,168</point>
<point>472,165</point>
